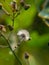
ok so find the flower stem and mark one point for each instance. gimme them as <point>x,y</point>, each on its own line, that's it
<point>13,17</point>
<point>3,46</point>
<point>11,48</point>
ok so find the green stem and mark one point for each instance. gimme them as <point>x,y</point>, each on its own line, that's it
<point>13,17</point>
<point>11,48</point>
<point>3,46</point>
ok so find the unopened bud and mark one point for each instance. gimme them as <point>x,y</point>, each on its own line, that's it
<point>0,6</point>
<point>2,28</point>
<point>26,55</point>
<point>22,2</point>
<point>14,6</point>
<point>26,6</point>
<point>10,27</point>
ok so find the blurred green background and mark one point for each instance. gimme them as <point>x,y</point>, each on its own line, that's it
<point>37,47</point>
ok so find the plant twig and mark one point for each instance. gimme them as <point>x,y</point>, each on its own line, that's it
<point>3,46</point>
<point>11,48</point>
<point>13,17</point>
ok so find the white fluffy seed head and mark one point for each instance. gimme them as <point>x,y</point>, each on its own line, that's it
<point>23,35</point>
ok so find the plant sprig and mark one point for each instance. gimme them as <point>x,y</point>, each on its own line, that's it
<point>10,48</point>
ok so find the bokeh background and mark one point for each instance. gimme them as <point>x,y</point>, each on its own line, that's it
<point>38,46</point>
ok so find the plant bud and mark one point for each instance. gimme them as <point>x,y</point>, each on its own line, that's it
<point>26,55</point>
<point>22,2</point>
<point>2,28</point>
<point>14,6</point>
<point>26,6</point>
<point>0,6</point>
<point>10,27</point>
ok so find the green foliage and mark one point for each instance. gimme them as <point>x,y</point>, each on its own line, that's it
<point>37,47</point>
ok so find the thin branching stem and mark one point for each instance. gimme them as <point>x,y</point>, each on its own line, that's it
<point>11,48</point>
<point>1,46</point>
<point>13,17</point>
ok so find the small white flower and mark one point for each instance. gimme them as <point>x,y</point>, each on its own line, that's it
<point>23,35</point>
